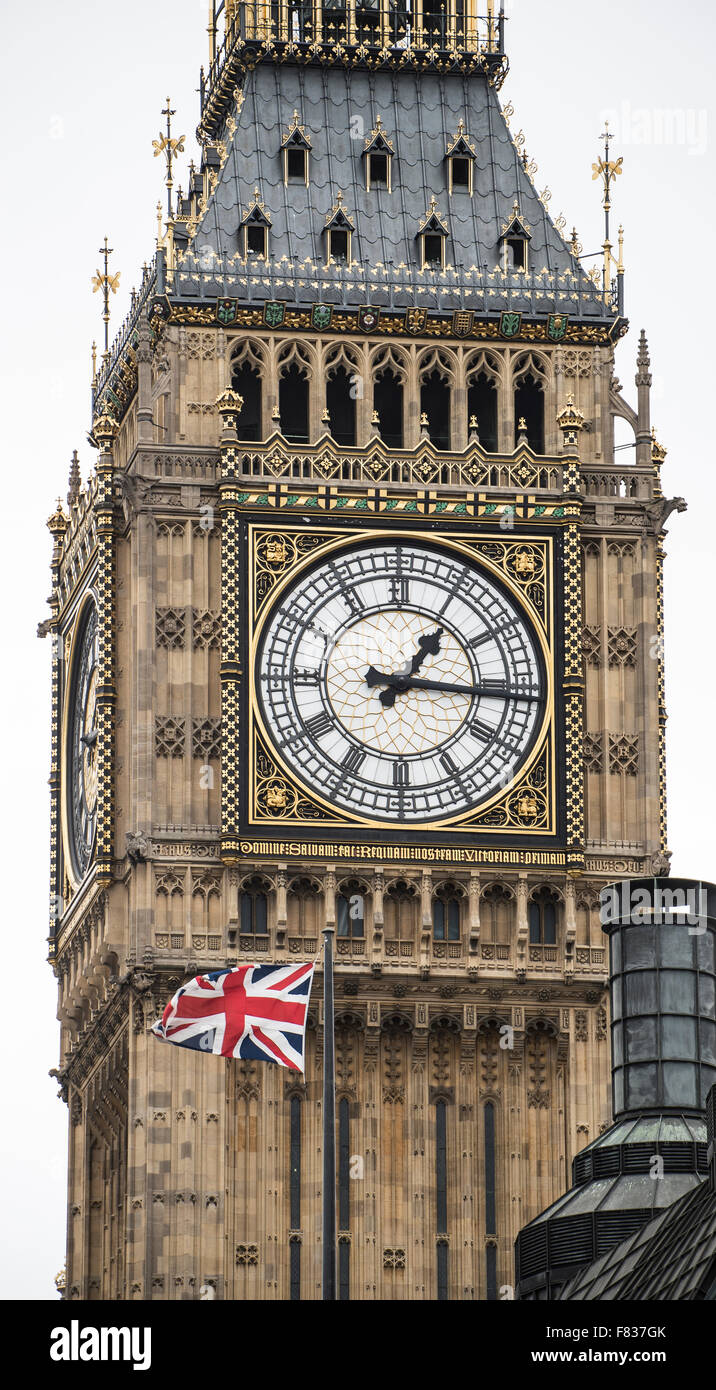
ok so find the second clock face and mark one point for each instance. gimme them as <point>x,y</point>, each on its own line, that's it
<point>401,682</point>
<point>82,747</point>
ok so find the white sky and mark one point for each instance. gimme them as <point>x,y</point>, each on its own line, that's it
<point>83,88</point>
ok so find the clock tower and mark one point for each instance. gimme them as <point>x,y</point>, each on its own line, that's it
<point>357,620</point>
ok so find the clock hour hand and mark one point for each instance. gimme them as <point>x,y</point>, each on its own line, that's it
<point>429,645</point>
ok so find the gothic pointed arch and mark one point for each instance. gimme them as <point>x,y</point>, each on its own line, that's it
<point>530,381</point>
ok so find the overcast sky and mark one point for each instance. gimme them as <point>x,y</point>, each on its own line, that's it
<point>83,89</point>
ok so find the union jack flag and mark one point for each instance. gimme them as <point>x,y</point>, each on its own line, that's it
<point>252,1011</point>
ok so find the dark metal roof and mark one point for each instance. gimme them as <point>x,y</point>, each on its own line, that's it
<point>420,115</point>
<point>673,1257</point>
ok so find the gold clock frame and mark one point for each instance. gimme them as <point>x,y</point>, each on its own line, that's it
<point>89,600</point>
<point>278,555</point>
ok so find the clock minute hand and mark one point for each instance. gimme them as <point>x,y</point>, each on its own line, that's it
<point>399,684</point>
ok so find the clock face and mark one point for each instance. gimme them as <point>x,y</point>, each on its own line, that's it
<point>401,682</point>
<point>82,747</point>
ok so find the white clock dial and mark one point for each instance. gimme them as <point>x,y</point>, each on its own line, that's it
<point>401,682</point>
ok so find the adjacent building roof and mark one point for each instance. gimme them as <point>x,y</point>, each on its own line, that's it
<point>673,1257</point>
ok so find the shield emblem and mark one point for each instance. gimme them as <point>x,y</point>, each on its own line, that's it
<point>462,321</point>
<point>322,315</point>
<point>557,327</point>
<point>227,311</point>
<point>415,320</point>
<point>510,324</point>
<point>368,319</point>
<point>274,312</point>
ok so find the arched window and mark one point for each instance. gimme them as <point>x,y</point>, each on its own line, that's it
<point>496,913</point>
<point>246,380</point>
<point>293,404</point>
<point>434,23</point>
<point>446,913</point>
<point>334,20</point>
<point>388,406</point>
<point>341,405</point>
<point>303,895</point>
<point>435,408</point>
<point>350,910</point>
<point>482,407</point>
<point>400,910</point>
<point>530,383</point>
<point>367,21</point>
<point>542,912</point>
<point>254,907</point>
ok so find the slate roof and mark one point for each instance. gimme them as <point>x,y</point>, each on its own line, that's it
<point>420,113</point>
<point>673,1257</point>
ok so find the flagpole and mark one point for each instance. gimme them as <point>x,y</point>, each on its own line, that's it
<point>329,1121</point>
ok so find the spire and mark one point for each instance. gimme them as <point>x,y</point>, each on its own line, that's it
<point>643,382</point>
<point>75,481</point>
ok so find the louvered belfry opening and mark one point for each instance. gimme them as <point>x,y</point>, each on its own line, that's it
<point>293,405</point>
<point>341,406</point>
<point>247,382</point>
<point>662,946</point>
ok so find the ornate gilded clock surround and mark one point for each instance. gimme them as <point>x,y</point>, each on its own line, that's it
<point>523,564</point>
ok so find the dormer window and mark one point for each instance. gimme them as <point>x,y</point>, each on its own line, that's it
<point>295,148</point>
<point>338,245</point>
<point>339,233</point>
<point>256,241</point>
<point>460,156</point>
<point>255,229</point>
<point>378,154</point>
<point>514,242</point>
<point>296,166</point>
<point>432,238</point>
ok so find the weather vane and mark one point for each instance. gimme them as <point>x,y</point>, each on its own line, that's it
<point>169,147</point>
<point>607,170</point>
<point>105,283</point>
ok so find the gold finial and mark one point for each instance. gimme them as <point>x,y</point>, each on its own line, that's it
<point>658,452</point>
<point>94,365</point>
<point>473,422</point>
<point>522,427</point>
<point>433,203</point>
<point>607,170</point>
<point>57,523</point>
<point>375,418</point>
<point>461,126</point>
<point>170,148</point>
<point>620,262</point>
<point>325,418</point>
<point>276,413</point>
<point>424,422</point>
<point>106,283</point>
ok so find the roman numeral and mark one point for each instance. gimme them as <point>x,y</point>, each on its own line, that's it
<point>494,687</point>
<point>401,775</point>
<point>320,724</point>
<point>306,677</point>
<point>481,731</point>
<point>354,760</point>
<point>448,764</point>
<point>399,591</point>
